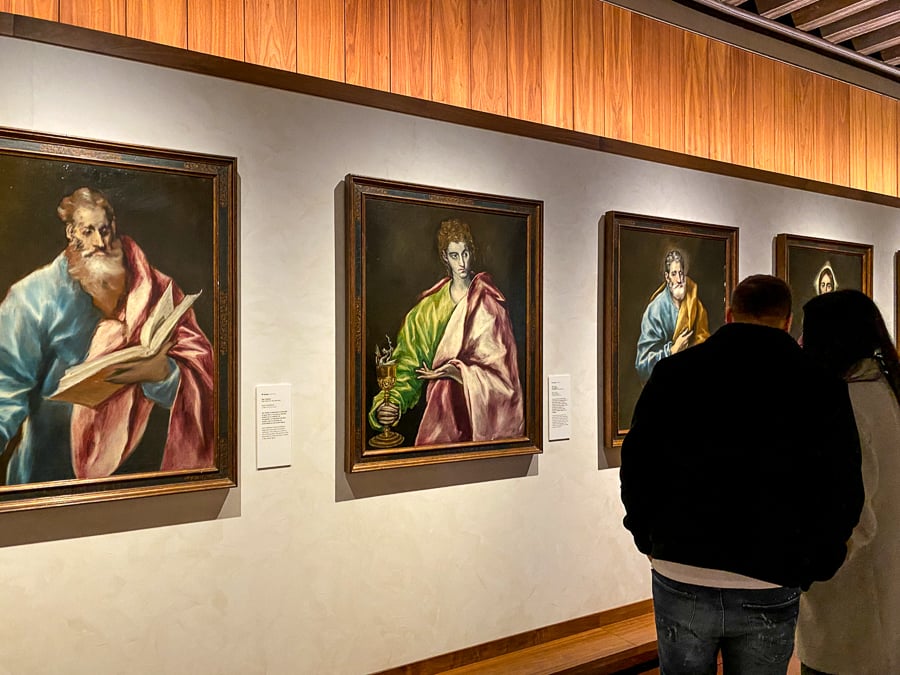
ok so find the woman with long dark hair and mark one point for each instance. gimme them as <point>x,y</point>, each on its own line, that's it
<point>850,625</point>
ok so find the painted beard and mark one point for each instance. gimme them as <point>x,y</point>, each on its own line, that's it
<point>677,292</point>
<point>102,276</point>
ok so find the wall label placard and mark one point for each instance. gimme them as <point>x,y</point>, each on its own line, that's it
<point>273,425</point>
<point>559,403</point>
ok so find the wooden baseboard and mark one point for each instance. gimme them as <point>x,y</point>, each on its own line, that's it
<point>513,643</point>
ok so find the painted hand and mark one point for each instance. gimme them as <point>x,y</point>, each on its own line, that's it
<point>683,341</point>
<point>155,368</point>
<point>445,372</point>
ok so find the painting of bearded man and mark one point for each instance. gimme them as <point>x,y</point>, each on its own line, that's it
<point>674,320</point>
<point>666,286</point>
<point>91,299</point>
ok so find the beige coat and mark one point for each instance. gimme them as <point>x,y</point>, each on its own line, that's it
<point>850,625</point>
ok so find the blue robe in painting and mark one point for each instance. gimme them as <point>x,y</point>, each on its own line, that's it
<point>46,324</point>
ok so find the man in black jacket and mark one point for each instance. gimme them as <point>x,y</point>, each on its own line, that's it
<point>741,482</point>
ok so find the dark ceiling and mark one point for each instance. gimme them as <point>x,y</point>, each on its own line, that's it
<point>864,31</point>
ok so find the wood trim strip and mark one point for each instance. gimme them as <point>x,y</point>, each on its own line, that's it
<point>75,37</point>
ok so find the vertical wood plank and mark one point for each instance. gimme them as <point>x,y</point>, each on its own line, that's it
<point>411,48</point>
<point>740,79</point>
<point>874,138</point>
<point>785,119</point>
<point>557,98</point>
<point>671,87</point>
<point>804,117</point>
<point>889,146</point>
<point>617,73</point>
<point>857,120</point>
<point>524,65</point>
<point>763,113</point>
<point>823,93</point>
<point>719,101</point>
<point>450,52</point>
<point>588,66</point>
<point>367,25</point>
<point>39,9</point>
<point>160,21</point>
<point>897,140</point>
<point>270,37</point>
<point>489,73</point>
<point>216,27</point>
<point>840,133</point>
<point>320,38</point>
<point>105,15</point>
<point>645,60</point>
<point>696,95</point>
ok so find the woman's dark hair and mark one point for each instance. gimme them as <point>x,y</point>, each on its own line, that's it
<point>842,327</point>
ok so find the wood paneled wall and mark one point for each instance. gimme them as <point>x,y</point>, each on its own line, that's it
<point>584,65</point>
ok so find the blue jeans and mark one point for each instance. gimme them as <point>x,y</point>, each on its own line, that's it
<point>754,629</point>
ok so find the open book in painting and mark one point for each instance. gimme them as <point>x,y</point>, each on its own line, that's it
<point>86,383</point>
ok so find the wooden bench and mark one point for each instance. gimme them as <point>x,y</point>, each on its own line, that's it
<point>620,640</point>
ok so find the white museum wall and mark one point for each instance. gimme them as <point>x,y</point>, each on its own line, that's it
<point>302,569</point>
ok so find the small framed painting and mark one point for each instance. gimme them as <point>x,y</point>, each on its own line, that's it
<point>896,296</point>
<point>667,283</point>
<point>813,266</point>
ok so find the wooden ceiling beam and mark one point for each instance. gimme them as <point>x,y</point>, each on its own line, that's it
<point>865,22</point>
<point>891,56</point>
<point>829,11</point>
<point>773,9</point>
<point>878,40</point>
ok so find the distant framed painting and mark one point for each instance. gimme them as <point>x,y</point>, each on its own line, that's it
<point>896,297</point>
<point>813,266</point>
<point>666,286</point>
<point>443,325</point>
<point>118,345</point>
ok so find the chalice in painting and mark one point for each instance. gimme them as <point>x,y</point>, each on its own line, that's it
<point>386,374</point>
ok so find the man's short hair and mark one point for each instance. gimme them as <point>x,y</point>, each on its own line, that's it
<point>762,296</point>
<point>674,256</point>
